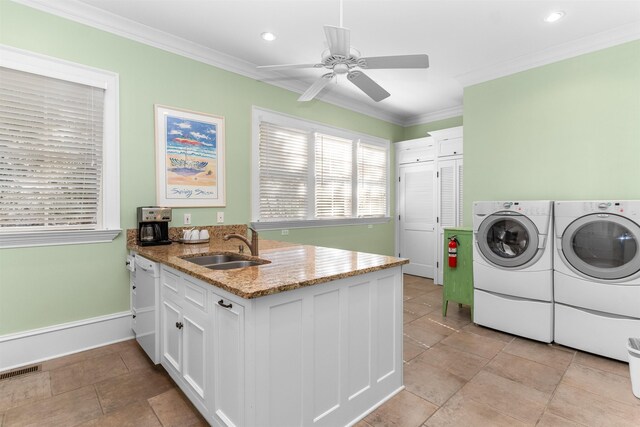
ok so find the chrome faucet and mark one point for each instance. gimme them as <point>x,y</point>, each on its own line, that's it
<point>253,246</point>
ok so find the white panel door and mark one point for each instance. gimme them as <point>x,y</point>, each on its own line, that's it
<point>417,219</point>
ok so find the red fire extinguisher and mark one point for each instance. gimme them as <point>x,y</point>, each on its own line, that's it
<point>453,251</point>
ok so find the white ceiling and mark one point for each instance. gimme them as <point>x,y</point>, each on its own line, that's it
<point>467,41</point>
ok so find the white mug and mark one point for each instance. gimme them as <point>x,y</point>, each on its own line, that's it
<point>204,234</point>
<point>186,234</point>
<point>195,235</point>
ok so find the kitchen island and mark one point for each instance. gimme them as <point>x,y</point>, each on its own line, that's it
<point>311,336</point>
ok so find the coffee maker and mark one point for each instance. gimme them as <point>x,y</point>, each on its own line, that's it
<point>153,226</point>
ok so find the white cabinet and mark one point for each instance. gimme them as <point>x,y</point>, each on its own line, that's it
<point>228,400</point>
<point>321,355</point>
<point>185,332</point>
<point>449,203</point>
<point>415,150</point>
<point>429,198</point>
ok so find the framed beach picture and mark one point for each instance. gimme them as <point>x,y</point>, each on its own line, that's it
<point>189,158</point>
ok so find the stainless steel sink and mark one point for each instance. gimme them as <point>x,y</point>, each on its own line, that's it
<point>208,260</point>
<point>232,265</point>
<point>224,261</point>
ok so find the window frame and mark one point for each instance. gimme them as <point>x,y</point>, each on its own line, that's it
<point>311,127</point>
<point>109,228</point>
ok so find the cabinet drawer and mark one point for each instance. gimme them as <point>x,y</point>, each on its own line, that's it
<point>195,295</point>
<point>170,283</point>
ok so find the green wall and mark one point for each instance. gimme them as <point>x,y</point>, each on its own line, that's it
<point>418,131</point>
<point>45,286</point>
<point>565,131</point>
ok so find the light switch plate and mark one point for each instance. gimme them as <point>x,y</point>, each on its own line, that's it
<point>285,232</point>
<point>220,217</point>
<point>187,219</point>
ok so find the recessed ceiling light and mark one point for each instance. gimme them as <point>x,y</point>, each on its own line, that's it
<point>268,36</point>
<point>554,16</point>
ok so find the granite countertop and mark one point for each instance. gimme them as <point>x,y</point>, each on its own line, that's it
<point>291,265</point>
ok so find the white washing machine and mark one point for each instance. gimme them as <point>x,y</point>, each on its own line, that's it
<point>513,267</point>
<point>597,275</point>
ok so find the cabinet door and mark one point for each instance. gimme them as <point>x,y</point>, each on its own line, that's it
<point>417,218</point>
<point>228,329</point>
<point>459,195</point>
<point>194,339</point>
<point>171,334</point>
<point>449,202</point>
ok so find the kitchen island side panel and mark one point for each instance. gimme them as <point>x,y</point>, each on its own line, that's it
<point>328,353</point>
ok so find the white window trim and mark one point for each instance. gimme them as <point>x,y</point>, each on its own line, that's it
<point>259,114</point>
<point>30,62</point>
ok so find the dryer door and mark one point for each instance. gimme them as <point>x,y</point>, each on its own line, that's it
<point>603,246</point>
<point>508,239</point>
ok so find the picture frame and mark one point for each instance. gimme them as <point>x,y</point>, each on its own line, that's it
<point>190,158</point>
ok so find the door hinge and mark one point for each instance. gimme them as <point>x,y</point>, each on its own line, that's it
<point>398,254</point>
<point>398,179</point>
<point>437,174</point>
<point>398,217</point>
<point>438,220</point>
<point>437,265</point>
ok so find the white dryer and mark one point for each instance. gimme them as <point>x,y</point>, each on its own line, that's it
<point>513,267</point>
<point>597,275</point>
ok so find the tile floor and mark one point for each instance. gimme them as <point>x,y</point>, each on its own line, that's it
<point>115,386</point>
<point>456,374</point>
<point>460,374</point>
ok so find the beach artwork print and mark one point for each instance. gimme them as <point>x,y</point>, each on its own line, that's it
<point>190,158</point>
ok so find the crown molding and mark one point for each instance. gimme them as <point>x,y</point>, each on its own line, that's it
<point>106,21</point>
<point>591,43</point>
<point>445,113</point>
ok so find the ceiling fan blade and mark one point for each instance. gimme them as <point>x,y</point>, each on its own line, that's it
<point>368,86</point>
<point>339,40</point>
<point>287,66</point>
<point>399,61</point>
<point>316,87</point>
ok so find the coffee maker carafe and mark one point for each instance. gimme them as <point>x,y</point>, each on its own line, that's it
<point>153,226</point>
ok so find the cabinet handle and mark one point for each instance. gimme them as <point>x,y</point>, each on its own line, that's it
<point>179,325</point>
<point>222,304</point>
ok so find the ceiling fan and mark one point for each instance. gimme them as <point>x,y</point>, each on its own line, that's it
<point>342,59</point>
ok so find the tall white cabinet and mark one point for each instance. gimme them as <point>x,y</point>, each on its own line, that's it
<point>429,194</point>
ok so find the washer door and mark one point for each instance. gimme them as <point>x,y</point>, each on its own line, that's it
<point>603,246</point>
<point>508,239</point>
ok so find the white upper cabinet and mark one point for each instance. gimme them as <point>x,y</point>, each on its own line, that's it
<point>415,150</point>
<point>448,141</point>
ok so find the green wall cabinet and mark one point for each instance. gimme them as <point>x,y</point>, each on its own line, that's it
<point>458,282</point>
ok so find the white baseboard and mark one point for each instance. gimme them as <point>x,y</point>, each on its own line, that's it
<point>37,345</point>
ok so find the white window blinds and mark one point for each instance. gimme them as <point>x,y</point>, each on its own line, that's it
<point>372,180</point>
<point>51,134</point>
<point>283,173</point>
<point>334,176</point>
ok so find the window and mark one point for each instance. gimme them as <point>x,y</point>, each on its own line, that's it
<point>58,152</point>
<point>308,174</point>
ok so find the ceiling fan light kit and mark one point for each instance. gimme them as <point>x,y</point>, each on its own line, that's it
<point>342,59</point>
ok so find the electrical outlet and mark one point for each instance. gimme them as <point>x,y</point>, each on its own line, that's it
<point>370,226</point>
<point>220,217</point>
<point>285,232</point>
<point>187,219</point>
